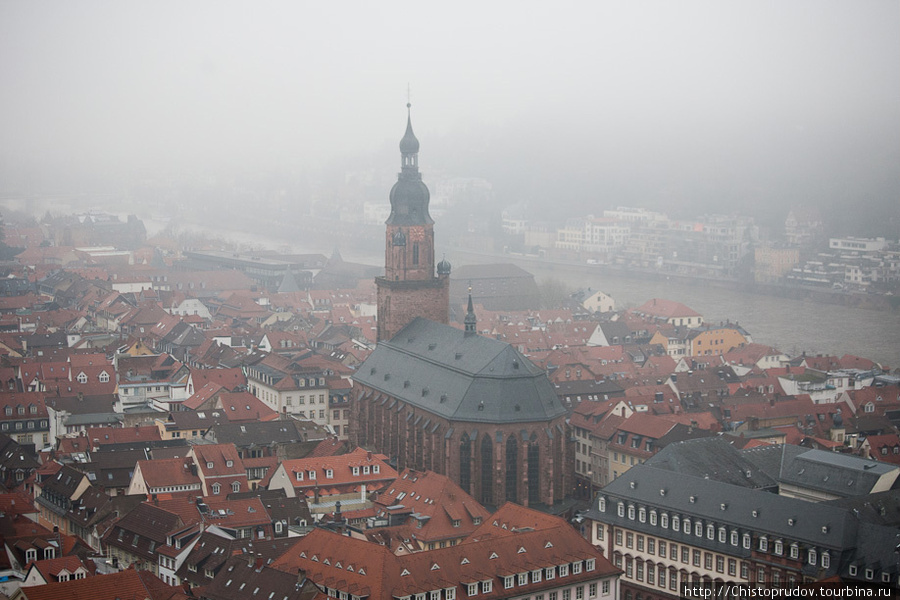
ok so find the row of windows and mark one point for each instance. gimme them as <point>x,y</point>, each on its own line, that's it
<point>32,409</point>
<point>712,532</point>
<point>174,488</point>
<point>312,414</point>
<point>534,575</point>
<point>329,473</point>
<point>288,400</point>
<point>19,426</point>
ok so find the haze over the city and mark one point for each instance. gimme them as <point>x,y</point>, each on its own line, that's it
<point>688,107</point>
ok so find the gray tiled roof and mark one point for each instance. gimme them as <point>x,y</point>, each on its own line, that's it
<point>830,472</point>
<point>749,510</point>
<point>460,377</point>
<point>711,457</point>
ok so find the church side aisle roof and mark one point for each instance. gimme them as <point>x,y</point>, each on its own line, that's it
<point>460,377</point>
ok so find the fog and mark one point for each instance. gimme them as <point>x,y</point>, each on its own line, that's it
<point>688,106</point>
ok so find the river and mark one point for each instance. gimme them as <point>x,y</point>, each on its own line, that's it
<point>792,326</point>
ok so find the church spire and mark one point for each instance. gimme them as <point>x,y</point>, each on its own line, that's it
<point>409,145</point>
<point>471,323</point>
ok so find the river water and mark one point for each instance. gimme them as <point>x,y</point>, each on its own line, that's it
<point>792,326</point>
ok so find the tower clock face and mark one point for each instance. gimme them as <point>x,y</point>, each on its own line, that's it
<point>417,234</point>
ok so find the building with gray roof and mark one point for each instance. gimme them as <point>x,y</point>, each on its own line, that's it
<point>469,407</point>
<point>666,528</point>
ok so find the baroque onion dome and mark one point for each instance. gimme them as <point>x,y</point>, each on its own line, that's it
<point>443,267</point>
<point>409,196</point>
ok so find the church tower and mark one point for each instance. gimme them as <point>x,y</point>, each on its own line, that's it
<point>410,288</point>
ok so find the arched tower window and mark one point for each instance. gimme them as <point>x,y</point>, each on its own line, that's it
<point>487,470</point>
<point>512,468</point>
<point>416,253</point>
<point>465,463</point>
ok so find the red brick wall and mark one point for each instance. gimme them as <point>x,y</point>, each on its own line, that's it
<point>382,425</point>
<point>399,302</point>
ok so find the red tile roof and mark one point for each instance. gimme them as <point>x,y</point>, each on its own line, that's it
<point>341,467</point>
<point>100,436</point>
<point>129,584</point>
<point>516,539</point>
<point>665,309</point>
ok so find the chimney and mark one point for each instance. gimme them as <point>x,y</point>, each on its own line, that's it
<point>369,455</point>
<point>260,561</point>
<point>316,495</point>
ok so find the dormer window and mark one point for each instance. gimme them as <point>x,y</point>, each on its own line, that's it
<point>82,378</point>
<point>621,509</point>
<point>355,471</point>
<point>812,556</point>
<point>312,474</point>
<point>376,469</point>
<point>104,377</point>
<point>216,488</point>
<point>229,463</point>
<point>329,473</point>
<point>763,544</point>
<point>299,475</point>
<point>365,469</point>
<point>209,465</point>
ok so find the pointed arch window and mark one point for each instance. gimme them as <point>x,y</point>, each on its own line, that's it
<point>512,468</point>
<point>465,463</point>
<point>487,470</point>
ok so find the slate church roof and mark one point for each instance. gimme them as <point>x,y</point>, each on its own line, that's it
<point>459,376</point>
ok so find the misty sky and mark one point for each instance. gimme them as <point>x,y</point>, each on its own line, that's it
<point>636,102</point>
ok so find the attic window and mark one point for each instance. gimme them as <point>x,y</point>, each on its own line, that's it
<point>424,391</point>
<point>432,346</point>
<point>406,383</point>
